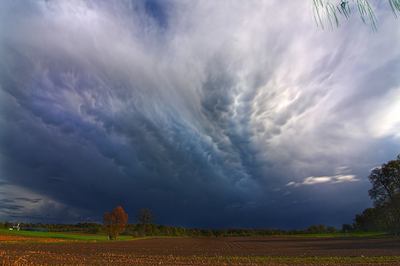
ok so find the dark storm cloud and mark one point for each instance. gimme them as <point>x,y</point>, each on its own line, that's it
<point>206,121</point>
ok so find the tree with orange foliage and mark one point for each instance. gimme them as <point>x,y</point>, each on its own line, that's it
<point>115,222</point>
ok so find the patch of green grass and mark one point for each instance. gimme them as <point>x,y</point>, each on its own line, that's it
<point>58,235</point>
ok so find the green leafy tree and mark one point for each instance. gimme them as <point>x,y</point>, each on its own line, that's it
<point>385,193</point>
<point>385,182</point>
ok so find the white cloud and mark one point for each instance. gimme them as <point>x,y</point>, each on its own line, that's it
<point>315,180</point>
<point>385,120</point>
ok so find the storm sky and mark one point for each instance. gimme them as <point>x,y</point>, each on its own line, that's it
<point>210,113</point>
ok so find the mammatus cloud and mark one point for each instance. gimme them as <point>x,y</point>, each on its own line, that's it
<point>205,121</point>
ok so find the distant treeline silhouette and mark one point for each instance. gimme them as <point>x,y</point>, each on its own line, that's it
<point>138,230</point>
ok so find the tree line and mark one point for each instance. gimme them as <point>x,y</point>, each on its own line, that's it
<point>152,229</point>
<point>115,223</point>
<point>385,193</point>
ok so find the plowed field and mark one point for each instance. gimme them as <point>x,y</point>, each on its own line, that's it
<point>208,251</point>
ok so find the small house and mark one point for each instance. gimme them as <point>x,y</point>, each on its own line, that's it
<point>15,227</point>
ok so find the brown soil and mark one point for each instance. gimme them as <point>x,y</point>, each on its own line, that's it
<point>197,251</point>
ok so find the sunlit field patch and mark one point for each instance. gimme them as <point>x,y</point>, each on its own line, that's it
<point>20,239</point>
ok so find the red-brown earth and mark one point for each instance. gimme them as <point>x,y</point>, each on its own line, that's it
<point>207,251</point>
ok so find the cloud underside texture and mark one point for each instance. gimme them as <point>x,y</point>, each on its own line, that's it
<point>204,112</point>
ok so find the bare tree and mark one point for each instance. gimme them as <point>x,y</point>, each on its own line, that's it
<point>145,218</point>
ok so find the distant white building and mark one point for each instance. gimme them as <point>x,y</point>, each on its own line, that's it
<point>15,227</point>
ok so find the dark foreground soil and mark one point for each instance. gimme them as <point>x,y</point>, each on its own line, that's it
<point>208,251</point>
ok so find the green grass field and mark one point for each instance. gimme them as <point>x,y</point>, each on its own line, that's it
<point>58,235</point>
<point>102,237</point>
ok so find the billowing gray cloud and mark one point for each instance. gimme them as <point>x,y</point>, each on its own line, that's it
<point>202,111</point>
